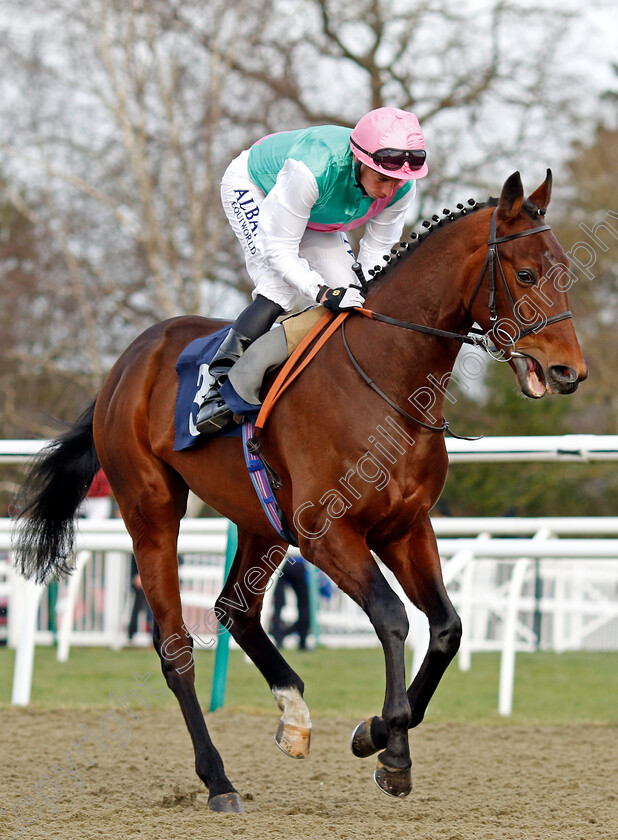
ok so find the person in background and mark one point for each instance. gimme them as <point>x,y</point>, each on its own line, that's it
<point>98,503</point>
<point>140,604</point>
<point>293,575</point>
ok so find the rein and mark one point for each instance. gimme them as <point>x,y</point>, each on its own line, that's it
<point>443,428</point>
<point>476,337</point>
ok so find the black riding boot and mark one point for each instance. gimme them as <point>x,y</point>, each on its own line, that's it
<point>253,322</point>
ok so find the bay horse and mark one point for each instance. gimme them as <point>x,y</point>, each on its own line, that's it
<point>358,444</point>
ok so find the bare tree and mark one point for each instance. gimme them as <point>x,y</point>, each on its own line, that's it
<point>119,116</point>
<point>487,81</point>
<point>113,142</point>
<point>127,136</point>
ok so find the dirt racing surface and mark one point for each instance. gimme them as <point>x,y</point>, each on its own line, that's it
<point>470,782</point>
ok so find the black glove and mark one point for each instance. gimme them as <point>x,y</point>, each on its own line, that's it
<point>341,298</point>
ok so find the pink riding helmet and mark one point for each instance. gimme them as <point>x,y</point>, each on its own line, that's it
<point>388,128</point>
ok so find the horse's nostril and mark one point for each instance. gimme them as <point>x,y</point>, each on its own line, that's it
<point>563,379</point>
<point>563,374</point>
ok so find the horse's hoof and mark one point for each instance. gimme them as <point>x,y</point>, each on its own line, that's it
<point>226,803</point>
<point>361,744</point>
<point>293,740</point>
<point>393,781</point>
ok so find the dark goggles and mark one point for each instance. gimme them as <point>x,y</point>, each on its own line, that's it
<point>393,159</point>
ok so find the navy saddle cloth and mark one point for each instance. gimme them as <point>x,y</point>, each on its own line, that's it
<point>193,385</point>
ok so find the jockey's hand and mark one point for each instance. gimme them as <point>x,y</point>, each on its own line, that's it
<point>341,298</point>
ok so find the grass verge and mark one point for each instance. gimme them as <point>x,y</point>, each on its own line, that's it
<point>550,689</point>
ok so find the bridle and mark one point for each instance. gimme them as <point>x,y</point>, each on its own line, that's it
<point>475,337</point>
<point>478,337</point>
<point>491,260</point>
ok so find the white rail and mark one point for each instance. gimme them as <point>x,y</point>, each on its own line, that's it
<point>110,538</point>
<point>583,574</point>
<point>581,448</point>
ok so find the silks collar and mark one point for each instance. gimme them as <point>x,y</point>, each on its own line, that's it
<point>357,169</point>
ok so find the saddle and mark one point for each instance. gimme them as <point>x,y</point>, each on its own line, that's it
<point>283,345</point>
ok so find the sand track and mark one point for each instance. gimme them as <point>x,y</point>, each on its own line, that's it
<point>470,782</point>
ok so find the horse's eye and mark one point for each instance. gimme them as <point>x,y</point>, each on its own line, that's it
<point>527,276</point>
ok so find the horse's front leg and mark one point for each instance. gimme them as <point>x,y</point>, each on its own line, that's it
<point>345,558</point>
<point>416,565</point>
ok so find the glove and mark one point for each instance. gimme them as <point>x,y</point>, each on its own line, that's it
<point>341,298</point>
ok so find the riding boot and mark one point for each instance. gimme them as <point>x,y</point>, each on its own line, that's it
<point>253,322</point>
<point>214,413</point>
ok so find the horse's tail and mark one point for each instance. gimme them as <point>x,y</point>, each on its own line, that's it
<point>46,507</point>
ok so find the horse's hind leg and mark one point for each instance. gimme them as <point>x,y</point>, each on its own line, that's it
<point>152,513</point>
<point>239,607</point>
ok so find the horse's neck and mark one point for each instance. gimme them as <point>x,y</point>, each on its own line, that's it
<point>432,284</point>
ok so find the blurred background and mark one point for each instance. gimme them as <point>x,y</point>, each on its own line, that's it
<point>117,120</point>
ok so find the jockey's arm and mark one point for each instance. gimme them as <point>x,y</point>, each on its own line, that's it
<point>284,215</point>
<point>383,231</point>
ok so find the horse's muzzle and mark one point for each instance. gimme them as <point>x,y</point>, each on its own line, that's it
<point>535,381</point>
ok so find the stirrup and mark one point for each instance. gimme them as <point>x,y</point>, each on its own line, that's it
<point>213,416</point>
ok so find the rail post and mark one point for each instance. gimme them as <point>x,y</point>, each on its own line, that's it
<point>222,653</point>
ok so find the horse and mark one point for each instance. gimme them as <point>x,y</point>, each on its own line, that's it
<point>357,442</point>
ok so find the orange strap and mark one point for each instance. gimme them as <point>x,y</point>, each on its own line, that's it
<point>286,375</point>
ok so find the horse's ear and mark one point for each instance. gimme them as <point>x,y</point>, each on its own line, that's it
<point>542,196</point>
<point>511,197</point>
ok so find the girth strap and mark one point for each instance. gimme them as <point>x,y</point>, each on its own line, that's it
<point>323,330</point>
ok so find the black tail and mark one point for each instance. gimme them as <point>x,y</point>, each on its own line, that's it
<point>46,506</point>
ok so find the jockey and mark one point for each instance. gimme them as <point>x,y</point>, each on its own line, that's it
<point>290,199</point>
